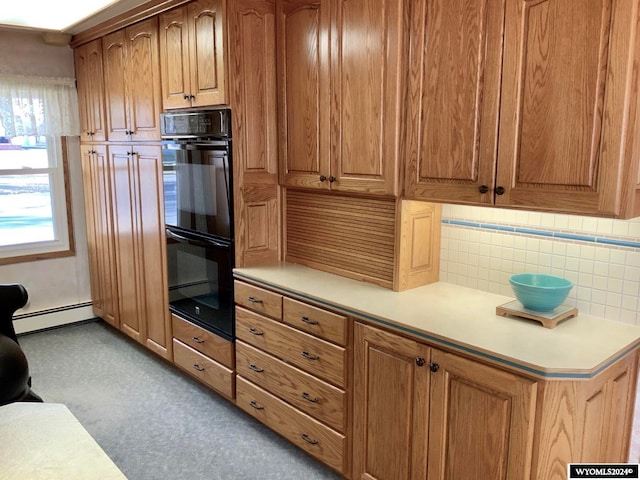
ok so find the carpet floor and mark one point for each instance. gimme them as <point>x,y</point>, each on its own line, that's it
<point>151,419</point>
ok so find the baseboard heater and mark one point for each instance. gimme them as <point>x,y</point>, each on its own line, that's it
<point>53,317</point>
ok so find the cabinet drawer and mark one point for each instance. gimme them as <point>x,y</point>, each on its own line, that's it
<point>258,299</point>
<point>311,354</point>
<point>307,433</point>
<point>209,372</point>
<point>311,395</point>
<point>210,344</point>
<point>319,322</point>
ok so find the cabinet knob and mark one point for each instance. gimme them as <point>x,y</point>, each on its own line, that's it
<point>185,96</point>
<point>192,97</point>
<point>420,361</point>
<point>500,190</point>
<point>322,178</point>
<point>483,189</point>
<point>332,179</point>
<point>434,367</point>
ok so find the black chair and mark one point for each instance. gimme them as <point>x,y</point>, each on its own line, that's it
<point>15,382</point>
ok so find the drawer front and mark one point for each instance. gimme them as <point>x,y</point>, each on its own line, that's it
<point>311,395</point>
<point>258,299</point>
<point>319,322</point>
<point>311,354</point>
<point>210,344</point>
<point>307,433</point>
<point>212,374</point>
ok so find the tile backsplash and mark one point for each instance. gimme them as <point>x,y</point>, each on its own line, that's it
<point>481,247</point>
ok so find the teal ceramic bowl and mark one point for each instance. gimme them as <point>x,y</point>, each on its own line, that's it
<point>540,292</point>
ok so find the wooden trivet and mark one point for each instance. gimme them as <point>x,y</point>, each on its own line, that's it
<point>547,319</point>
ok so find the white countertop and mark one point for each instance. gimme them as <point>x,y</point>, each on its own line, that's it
<point>44,441</point>
<point>463,319</point>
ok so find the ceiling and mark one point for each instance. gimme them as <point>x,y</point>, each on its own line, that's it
<point>69,16</point>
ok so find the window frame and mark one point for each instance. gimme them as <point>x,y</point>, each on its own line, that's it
<point>57,248</point>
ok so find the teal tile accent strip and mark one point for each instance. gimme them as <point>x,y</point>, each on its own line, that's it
<point>544,233</point>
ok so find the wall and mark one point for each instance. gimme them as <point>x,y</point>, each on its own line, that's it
<point>58,288</point>
<point>482,247</point>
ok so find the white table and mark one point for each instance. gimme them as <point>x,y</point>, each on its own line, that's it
<point>41,441</point>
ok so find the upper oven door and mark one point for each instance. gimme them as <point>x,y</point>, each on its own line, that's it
<point>197,186</point>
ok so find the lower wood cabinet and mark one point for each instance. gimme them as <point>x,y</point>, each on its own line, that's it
<point>204,355</point>
<point>423,413</point>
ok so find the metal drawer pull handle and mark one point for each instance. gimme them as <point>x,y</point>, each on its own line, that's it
<point>197,339</point>
<point>308,321</point>
<point>309,356</point>
<point>255,405</point>
<point>253,331</point>
<point>306,396</point>
<point>254,300</point>
<point>255,369</point>
<point>198,367</point>
<point>306,438</point>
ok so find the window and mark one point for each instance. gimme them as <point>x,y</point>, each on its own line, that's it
<point>35,116</point>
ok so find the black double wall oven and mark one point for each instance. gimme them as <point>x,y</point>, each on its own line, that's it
<point>198,203</point>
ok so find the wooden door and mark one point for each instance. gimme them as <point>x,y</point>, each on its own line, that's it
<point>143,81</point>
<point>367,64</point>
<point>207,54</point>
<point>151,248</point>
<point>174,58</point>
<point>252,96</point>
<point>453,100</point>
<point>90,81</point>
<point>304,101</point>
<point>391,404</point>
<point>566,82</point>
<point>115,84</point>
<point>481,421</point>
<point>126,222</point>
<point>95,169</point>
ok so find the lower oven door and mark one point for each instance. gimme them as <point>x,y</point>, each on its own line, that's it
<point>200,280</point>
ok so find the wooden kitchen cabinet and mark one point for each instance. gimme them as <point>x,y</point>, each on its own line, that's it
<point>292,363</point>
<point>340,82</point>
<point>90,82</point>
<point>192,54</point>
<point>252,98</point>
<point>132,82</point>
<point>525,104</point>
<point>139,235</point>
<point>96,180</point>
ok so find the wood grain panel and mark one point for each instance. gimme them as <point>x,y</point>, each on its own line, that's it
<point>115,80</point>
<point>350,236</point>
<point>453,99</point>
<point>174,58</point>
<point>212,374</point>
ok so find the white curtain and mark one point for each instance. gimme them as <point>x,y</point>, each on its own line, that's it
<point>38,106</point>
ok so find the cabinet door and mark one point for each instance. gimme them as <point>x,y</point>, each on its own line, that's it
<point>115,84</point>
<point>207,23</point>
<point>304,101</point>
<point>481,421</point>
<point>565,84</point>
<point>143,81</point>
<point>90,80</point>
<point>95,171</point>
<point>367,65</point>
<point>252,96</point>
<point>391,403</point>
<point>453,99</point>
<point>174,58</point>
<point>152,250</point>
<point>126,235</point>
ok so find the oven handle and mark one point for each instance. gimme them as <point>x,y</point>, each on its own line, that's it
<point>193,241</point>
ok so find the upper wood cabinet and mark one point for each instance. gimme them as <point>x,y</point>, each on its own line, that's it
<point>192,55</point>
<point>252,97</point>
<point>525,104</point>
<point>340,70</point>
<point>90,82</point>
<point>132,82</point>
